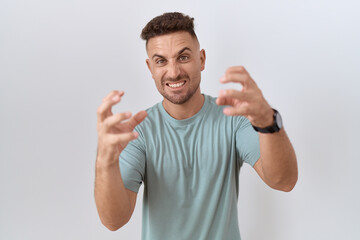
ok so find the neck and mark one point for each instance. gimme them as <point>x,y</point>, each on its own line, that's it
<point>187,109</point>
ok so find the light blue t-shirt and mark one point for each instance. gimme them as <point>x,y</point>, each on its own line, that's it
<point>190,170</point>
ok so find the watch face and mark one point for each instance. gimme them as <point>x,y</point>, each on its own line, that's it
<point>278,120</point>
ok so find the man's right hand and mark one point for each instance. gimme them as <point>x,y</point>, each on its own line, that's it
<point>114,132</point>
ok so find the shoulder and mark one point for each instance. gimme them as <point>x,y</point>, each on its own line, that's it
<point>152,119</point>
<point>213,108</point>
<point>216,111</point>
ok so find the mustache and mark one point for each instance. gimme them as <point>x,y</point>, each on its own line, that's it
<point>178,78</point>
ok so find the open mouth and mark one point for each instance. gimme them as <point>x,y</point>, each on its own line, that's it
<point>176,85</point>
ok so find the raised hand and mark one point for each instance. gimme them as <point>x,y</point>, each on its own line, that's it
<point>114,132</point>
<point>248,102</point>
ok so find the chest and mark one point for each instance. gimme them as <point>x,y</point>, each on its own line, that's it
<point>195,151</point>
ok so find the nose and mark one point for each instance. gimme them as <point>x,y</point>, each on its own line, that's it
<point>173,70</point>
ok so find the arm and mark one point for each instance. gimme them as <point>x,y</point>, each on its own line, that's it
<point>115,203</point>
<point>277,165</point>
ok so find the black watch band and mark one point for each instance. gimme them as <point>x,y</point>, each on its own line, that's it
<point>275,127</point>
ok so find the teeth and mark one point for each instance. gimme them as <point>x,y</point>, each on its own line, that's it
<point>176,85</point>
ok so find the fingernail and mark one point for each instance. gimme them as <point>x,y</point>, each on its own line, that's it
<point>115,98</point>
<point>222,79</point>
<point>226,111</point>
<point>135,134</point>
<point>222,92</point>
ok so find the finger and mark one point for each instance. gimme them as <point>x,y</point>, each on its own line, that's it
<point>242,110</point>
<point>236,69</point>
<point>225,101</point>
<point>122,138</point>
<point>238,95</point>
<point>237,74</point>
<point>137,119</point>
<point>115,119</point>
<point>243,79</point>
<point>113,94</point>
<point>104,110</point>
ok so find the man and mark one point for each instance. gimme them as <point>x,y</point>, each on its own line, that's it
<point>189,148</point>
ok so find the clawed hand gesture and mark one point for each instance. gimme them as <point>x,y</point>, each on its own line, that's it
<point>248,102</point>
<point>115,131</point>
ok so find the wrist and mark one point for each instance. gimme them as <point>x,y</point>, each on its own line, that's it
<point>274,126</point>
<point>107,162</point>
<point>266,120</point>
<point>269,118</point>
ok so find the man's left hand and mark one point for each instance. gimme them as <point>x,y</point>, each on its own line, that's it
<point>248,102</point>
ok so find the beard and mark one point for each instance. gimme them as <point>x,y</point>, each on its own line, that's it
<point>178,98</point>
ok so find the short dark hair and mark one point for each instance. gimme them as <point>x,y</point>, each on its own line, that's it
<point>168,23</point>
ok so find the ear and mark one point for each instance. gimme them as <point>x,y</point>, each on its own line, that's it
<point>202,59</point>
<point>149,65</point>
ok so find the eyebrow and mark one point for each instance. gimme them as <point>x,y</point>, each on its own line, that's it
<point>180,52</point>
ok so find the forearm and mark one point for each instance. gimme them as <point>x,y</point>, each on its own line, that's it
<point>112,201</point>
<point>277,165</point>
<point>278,160</point>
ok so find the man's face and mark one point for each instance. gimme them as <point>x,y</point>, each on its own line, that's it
<point>175,63</point>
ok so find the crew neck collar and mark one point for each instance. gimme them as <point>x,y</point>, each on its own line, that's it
<point>186,121</point>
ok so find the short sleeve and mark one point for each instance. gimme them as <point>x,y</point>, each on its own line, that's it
<point>132,164</point>
<point>247,142</point>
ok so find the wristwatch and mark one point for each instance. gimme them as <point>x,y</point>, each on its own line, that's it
<point>277,125</point>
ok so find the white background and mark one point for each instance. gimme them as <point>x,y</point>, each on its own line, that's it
<point>58,59</point>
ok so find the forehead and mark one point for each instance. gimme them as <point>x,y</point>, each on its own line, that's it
<point>171,43</point>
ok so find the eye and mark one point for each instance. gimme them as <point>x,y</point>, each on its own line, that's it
<point>183,58</point>
<point>160,61</point>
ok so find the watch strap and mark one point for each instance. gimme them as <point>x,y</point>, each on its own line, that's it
<point>270,129</point>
